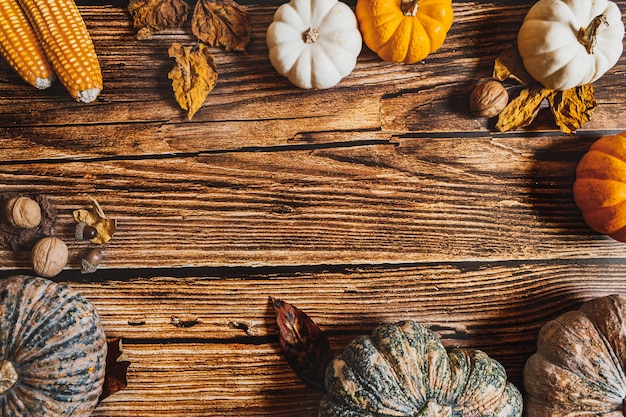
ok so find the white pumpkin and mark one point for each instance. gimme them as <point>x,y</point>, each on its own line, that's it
<point>568,43</point>
<point>314,43</point>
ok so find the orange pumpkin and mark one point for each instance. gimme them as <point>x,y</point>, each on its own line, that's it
<point>404,30</point>
<point>600,186</point>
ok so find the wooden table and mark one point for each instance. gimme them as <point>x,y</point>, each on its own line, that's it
<point>378,200</point>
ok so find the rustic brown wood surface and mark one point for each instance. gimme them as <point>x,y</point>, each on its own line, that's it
<point>377,200</point>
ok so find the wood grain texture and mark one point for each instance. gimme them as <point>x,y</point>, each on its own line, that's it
<point>252,106</point>
<point>378,200</point>
<point>417,200</point>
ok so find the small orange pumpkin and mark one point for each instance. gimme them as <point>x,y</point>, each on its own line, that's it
<point>404,30</point>
<point>600,186</point>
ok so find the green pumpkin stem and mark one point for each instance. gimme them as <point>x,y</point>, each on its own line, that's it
<point>8,376</point>
<point>588,36</point>
<point>409,7</point>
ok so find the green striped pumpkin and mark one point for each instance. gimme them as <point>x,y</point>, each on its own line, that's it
<point>403,369</point>
<point>52,350</point>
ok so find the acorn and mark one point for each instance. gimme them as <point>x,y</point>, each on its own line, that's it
<point>85,231</point>
<point>91,261</point>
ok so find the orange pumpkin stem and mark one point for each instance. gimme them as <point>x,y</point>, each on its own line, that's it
<point>409,7</point>
<point>310,35</point>
<point>588,36</point>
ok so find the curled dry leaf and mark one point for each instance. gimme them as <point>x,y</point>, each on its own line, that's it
<point>117,364</point>
<point>221,23</point>
<point>96,218</point>
<point>193,77</point>
<point>571,108</point>
<point>151,16</point>
<point>523,109</point>
<point>509,65</point>
<point>305,347</point>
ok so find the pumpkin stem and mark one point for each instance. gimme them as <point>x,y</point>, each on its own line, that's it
<point>409,7</point>
<point>8,376</point>
<point>310,35</point>
<point>587,36</point>
<point>433,409</point>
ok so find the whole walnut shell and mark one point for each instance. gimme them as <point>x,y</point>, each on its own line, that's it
<point>488,99</point>
<point>23,212</point>
<point>49,256</point>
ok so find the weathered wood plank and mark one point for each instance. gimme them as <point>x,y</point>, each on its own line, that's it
<point>419,200</point>
<point>195,379</point>
<point>470,304</point>
<point>230,364</point>
<point>252,105</point>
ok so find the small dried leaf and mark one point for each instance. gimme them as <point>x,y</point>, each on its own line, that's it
<point>193,77</point>
<point>523,109</point>
<point>303,343</point>
<point>221,23</point>
<point>509,64</point>
<point>151,16</point>
<point>96,218</point>
<point>573,108</point>
<point>117,364</point>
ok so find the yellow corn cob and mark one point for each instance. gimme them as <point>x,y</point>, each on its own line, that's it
<point>20,47</point>
<point>68,45</point>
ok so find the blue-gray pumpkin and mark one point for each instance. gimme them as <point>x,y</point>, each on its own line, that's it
<point>52,350</point>
<point>403,369</point>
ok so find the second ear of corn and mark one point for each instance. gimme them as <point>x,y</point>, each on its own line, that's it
<point>43,38</point>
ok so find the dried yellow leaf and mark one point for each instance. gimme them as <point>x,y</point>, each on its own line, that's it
<point>523,109</point>
<point>573,108</point>
<point>221,23</point>
<point>193,77</point>
<point>509,65</point>
<point>96,218</point>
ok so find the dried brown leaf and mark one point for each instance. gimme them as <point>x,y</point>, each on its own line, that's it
<point>303,343</point>
<point>573,108</point>
<point>523,109</point>
<point>509,65</point>
<point>96,218</point>
<point>193,77</point>
<point>221,23</point>
<point>151,16</point>
<point>117,364</point>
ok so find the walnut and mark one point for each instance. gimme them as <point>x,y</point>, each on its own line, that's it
<point>23,212</point>
<point>49,256</point>
<point>488,99</point>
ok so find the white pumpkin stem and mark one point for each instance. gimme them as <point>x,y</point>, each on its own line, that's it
<point>8,376</point>
<point>409,7</point>
<point>588,36</point>
<point>310,35</point>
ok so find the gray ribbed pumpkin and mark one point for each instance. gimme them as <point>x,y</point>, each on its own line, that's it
<point>403,369</point>
<point>579,368</point>
<point>52,350</point>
